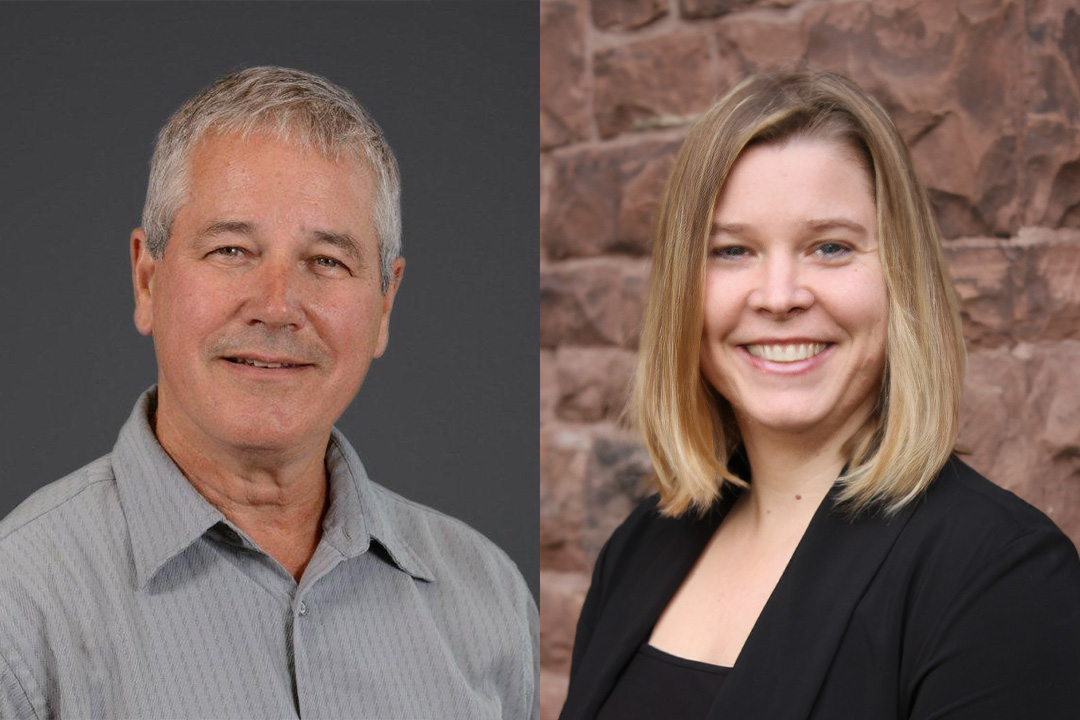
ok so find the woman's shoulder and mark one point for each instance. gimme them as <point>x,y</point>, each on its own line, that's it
<point>647,525</point>
<point>964,503</point>
<point>966,533</point>
<point>647,533</point>
<point>991,599</point>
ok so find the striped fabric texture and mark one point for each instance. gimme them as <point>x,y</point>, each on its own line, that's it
<point>125,594</point>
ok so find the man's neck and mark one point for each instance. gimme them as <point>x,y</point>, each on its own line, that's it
<point>276,498</point>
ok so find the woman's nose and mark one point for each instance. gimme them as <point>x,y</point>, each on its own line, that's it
<point>781,289</point>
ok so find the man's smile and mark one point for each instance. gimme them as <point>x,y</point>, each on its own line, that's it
<point>270,364</point>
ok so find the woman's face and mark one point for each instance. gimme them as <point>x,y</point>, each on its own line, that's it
<point>796,311</point>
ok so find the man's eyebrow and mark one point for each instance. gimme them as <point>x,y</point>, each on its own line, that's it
<point>222,227</point>
<point>342,240</point>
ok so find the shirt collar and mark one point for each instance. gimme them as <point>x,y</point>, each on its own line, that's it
<point>165,514</point>
<point>360,512</point>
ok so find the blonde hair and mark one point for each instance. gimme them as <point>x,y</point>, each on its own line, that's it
<point>688,427</point>
<point>294,106</point>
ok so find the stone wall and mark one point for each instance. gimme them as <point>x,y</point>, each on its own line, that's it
<point>987,94</point>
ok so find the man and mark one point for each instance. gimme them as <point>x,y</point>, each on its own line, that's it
<point>230,557</point>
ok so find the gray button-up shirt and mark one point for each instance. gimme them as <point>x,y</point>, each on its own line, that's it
<point>124,593</point>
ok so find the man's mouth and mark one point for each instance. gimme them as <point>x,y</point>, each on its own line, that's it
<point>788,353</point>
<point>263,364</point>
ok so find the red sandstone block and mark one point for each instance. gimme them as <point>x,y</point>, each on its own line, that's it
<point>1052,154</point>
<point>1021,423</point>
<point>1049,304</point>
<point>617,479</point>
<point>591,302</point>
<point>634,292</point>
<point>626,14</point>
<point>563,88</point>
<point>593,383</point>
<point>549,387</point>
<point>951,76</point>
<point>564,458</point>
<point>580,304</point>
<point>1025,289</point>
<point>643,172</point>
<point>984,285</point>
<point>760,42</point>
<point>638,85</point>
<point>694,9</point>
<point>581,209</point>
<point>604,201</point>
<point>561,597</point>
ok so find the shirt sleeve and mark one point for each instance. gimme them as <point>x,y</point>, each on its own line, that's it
<point>533,703</point>
<point>1008,642</point>
<point>14,702</point>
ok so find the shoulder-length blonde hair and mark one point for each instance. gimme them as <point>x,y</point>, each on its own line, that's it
<point>688,427</point>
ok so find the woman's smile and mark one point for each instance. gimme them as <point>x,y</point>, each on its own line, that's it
<point>786,353</point>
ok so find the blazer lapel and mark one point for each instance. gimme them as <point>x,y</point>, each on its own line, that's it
<point>636,601</point>
<point>781,667</point>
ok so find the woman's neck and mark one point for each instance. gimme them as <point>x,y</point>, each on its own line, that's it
<point>790,478</point>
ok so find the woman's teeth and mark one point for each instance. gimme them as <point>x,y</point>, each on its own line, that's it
<point>786,353</point>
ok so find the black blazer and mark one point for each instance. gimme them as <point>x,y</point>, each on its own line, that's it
<point>966,604</point>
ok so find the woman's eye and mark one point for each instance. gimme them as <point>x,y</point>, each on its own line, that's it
<point>832,249</point>
<point>729,252</point>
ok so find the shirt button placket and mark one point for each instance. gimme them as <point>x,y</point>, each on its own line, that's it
<point>301,676</point>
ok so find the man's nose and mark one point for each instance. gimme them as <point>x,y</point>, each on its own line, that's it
<point>275,294</point>
<point>781,289</point>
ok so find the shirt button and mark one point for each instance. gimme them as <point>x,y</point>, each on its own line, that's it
<point>303,608</point>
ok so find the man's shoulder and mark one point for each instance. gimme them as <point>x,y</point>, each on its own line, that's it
<point>87,492</point>
<point>444,543</point>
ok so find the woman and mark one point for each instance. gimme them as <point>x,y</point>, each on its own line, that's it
<point>815,550</point>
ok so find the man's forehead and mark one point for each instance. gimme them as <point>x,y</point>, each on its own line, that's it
<point>215,142</point>
<point>252,184</point>
<point>238,158</point>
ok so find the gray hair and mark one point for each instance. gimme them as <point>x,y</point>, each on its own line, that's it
<point>296,107</point>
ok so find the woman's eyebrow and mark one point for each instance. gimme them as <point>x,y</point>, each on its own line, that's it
<point>834,223</point>
<point>816,224</point>
<point>736,229</point>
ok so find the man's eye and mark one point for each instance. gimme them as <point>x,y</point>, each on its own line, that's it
<point>230,251</point>
<point>328,263</point>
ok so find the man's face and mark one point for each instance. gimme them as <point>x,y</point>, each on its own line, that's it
<point>265,307</point>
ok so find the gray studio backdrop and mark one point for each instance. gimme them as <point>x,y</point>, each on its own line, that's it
<point>449,416</point>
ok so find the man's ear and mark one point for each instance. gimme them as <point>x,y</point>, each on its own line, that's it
<point>397,275</point>
<point>143,265</point>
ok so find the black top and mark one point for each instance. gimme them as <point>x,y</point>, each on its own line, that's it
<point>657,684</point>
<point>964,604</point>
